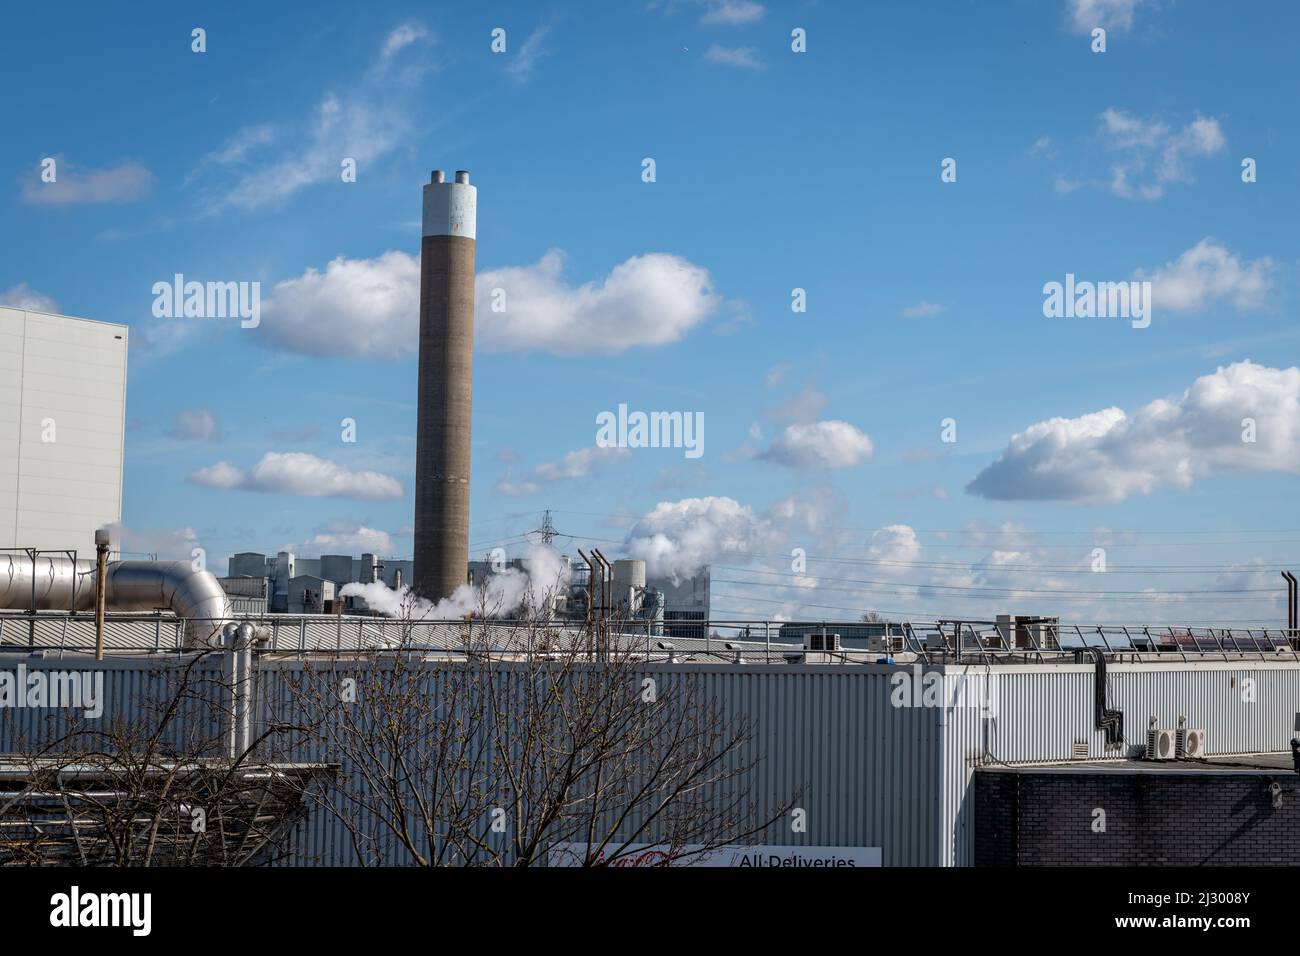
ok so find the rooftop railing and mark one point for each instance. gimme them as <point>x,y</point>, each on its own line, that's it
<point>1021,640</point>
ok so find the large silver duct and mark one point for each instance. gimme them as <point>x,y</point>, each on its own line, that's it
<point>196,597</point>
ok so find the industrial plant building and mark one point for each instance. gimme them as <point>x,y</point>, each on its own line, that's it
<point>1017,740</point>
<point>62,427</point>
<point>955,751</point>
<point>289,584</point>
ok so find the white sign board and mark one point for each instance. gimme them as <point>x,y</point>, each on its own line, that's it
<point>650,854</point>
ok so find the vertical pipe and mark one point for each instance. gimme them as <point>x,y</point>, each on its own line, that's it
<point>602,620</point>
<point>591,579</point>
<point>101,577</point>
<point>442,442</point>
<point>1295,604</point>
<point>31,610</point>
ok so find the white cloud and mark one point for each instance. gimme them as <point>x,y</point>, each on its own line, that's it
<point>825,444</point>
<point>575,465</point>
<point>402,37</point>
<point>581,463</point>
<point>516,489</point>
<point>896,543</point>
<point>298,473</point>
<point>125,182</point>
<point>522,65</point>
<point>236,149</point>
<point>1207,273</point>
<point>349,127</point>
<point>365,123</point>
<point>23,297</point>
<point>732,12</point>
<point>1155,155</point>
<point>922,310</point>
<point>647,300</point>
<point>344,538</point>
<point>221,475</point>
<point>195,424</point>
<point>370,307</point>
<point>1109,456</point>
<point>745,58</point>
<point>1085,15</point>
<point>1201,137</point>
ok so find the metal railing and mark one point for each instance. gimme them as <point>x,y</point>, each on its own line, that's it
<point>701,641</point>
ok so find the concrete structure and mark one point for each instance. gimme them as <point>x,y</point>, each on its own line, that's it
<point>62,427</point>
<point>248,595</point>
<point>680,609</point>
<point>629,589</point>
<point>442,449</point>
<point>685,603</point>
<point>309,594</point>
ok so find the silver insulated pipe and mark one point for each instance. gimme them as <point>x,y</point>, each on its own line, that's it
<point>196,597</point>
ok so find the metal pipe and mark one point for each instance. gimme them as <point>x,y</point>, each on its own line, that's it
<point>606,586</point>
<point>1290,580</point>
<point>101,569</point>
<point>591,577</point>
<point>51,583</point>
<point>1293,611</point>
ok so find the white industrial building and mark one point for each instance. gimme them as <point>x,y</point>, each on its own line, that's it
<point>888,752</point>
<point>62,429</point>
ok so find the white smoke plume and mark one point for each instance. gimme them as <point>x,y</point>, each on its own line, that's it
<point>545,573</point>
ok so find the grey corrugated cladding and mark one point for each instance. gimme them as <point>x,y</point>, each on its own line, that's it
<point>875,774</point>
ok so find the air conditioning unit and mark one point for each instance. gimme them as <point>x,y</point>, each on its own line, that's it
<point>1191,743</point>
<point>1162,744</point>
<point>822,642</point>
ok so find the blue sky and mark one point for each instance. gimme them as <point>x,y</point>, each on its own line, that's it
<point>774,171</point>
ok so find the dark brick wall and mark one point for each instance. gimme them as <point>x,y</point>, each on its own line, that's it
<point>1184,818</point>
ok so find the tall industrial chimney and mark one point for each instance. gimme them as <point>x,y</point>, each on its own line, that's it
<point>442,439</point>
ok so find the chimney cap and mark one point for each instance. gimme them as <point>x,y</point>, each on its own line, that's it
<point>438,176</point>
<point>462,176</point>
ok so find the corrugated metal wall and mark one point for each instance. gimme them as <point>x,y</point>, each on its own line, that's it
<point>873,774</point>
<point>869,773</point>
<point>1042,710</point>
<point>136,690</point>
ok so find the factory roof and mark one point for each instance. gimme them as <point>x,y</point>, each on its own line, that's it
<point>1266,764</point>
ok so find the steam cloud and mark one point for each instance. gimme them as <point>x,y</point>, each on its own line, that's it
<point>545,572</point>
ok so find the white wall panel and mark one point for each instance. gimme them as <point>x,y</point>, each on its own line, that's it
<point>53,495</point>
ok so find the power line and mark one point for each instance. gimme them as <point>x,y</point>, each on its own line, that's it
<point>1013,531</point>
<point>962,587</point>
<point>924,615</point>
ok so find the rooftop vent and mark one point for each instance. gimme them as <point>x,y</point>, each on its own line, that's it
<point>821,642</point>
